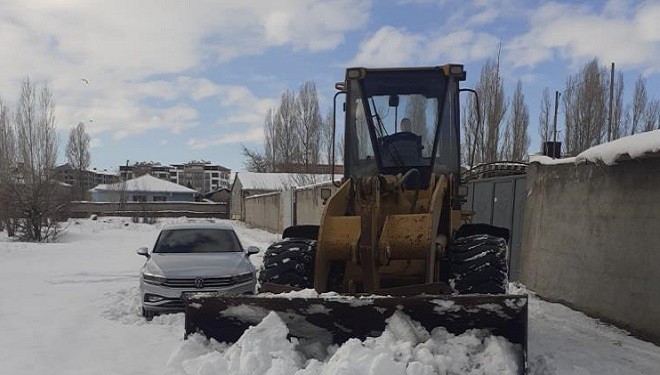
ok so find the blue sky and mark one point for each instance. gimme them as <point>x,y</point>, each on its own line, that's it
<point>176,81</point>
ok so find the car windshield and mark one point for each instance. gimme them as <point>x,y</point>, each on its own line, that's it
<point>197,241</point>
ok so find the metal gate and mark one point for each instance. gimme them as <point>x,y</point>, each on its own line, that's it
<point>500,201</point>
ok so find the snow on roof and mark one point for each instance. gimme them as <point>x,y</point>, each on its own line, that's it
<point>145,183</point>
<point>278,181</point>
<point>630,147</point>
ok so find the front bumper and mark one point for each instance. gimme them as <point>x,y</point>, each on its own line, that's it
<point>172,302</point>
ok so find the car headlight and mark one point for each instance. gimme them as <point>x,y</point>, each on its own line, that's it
<point>152,279</point>
<point>243,278</point>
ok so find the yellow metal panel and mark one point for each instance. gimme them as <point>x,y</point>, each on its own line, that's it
<point>406,236</point>
<point>340,236</point>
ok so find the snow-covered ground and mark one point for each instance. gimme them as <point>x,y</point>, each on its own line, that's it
<point>72,307</point>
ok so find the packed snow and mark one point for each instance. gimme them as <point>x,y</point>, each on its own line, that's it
<point>633,147</point>
<point>73,307</point>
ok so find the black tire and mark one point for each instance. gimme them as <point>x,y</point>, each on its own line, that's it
<point>290,262</point>
<point>479,265</point>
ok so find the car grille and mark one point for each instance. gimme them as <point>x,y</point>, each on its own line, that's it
<point>211,282</point>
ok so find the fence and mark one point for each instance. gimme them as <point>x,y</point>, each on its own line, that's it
<point>500,201</point>
<point>155,209</point>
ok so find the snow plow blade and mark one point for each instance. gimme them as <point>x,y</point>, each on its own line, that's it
<point>338,318</point>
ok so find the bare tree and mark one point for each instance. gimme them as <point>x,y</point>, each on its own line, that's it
<point>295,134</point>
<point>618,109</point>
<point>493,107</point>
<point>470,132</point>
<point>309,125</point>
<point>326,135</point>
<point>7,168</point>
<point>545,117</point>
<point>77,154</point>
<point>516,139</point>
<point>652,117</point>
<point>254,160</point>
<point>287,139</point>
<point>270,142</point>
<point>585,107</point>
<point>36,145</point>
<point>639,103</point>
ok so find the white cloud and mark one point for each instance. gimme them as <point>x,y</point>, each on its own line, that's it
<point>388,46</point>
<point>95,143</point>
<point>462,46</point>
<point>251,135</point>
<point>577,33</point>
<point>391,46</point>
<point>122,46</point>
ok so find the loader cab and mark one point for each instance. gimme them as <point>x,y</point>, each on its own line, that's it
<point>400,119</point>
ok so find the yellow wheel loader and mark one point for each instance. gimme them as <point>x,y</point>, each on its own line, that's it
<point>393,235</point>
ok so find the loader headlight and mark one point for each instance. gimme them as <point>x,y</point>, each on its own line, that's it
<point>456,69</point>
<point>152,279</point>
<point>243,278</point>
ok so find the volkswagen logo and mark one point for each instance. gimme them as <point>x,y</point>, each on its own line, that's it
<point>199,283</point>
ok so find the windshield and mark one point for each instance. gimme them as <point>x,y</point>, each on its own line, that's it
<point>405,125</point>
<point>197,241</point>
<point>394,116</point>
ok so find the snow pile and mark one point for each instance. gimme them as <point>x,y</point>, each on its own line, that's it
<point>405,348</point>
<point>633,146</point>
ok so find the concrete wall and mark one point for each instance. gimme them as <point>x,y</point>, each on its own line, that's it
<point>309,205</point>
<point>131,196</point>
<point>159,209</point>
<point>263,211</point>
<point>236,201</point>
<point>591,240</point>
<point>270,211</point>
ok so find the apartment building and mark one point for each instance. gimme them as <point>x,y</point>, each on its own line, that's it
<point>199,175</point>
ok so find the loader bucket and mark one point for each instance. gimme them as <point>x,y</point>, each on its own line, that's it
<point>335,318</point>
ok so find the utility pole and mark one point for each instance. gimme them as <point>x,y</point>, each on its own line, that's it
<point>609,129</point>
<point>554,126</point>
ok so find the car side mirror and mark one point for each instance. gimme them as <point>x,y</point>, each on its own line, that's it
<point>251,250</point>
<point>144,252</point>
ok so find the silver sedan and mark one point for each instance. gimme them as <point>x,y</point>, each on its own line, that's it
<point>193,258</point>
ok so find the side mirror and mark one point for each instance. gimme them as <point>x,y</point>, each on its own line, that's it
<point>326,193</point>
<point>144,252</point>
<point>251,250</point>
